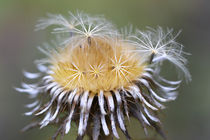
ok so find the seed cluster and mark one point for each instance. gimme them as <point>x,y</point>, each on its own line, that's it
<point>99,76</point>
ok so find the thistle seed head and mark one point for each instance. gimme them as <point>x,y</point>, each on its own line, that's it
<point>97,76</point>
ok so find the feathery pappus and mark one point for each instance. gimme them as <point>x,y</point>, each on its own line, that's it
<point>98,76</point>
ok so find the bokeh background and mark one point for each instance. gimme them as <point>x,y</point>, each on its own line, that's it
<point>188,118</point>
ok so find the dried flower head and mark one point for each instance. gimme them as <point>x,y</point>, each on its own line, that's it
<point>97,76</point>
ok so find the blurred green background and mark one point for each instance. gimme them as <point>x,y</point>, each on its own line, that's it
<point>188,118</point>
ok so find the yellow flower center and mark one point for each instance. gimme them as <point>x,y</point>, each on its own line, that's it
<point>105,64</point>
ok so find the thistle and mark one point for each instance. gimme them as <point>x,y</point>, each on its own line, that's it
<point>97,76</point>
